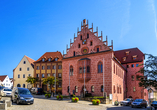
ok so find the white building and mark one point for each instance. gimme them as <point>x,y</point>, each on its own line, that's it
<point>5,81</point>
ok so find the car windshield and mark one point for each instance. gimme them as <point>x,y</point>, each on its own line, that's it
<point>138,100</point>
<point>127,99</point>
<point>7,90</point>
<point>24,92</point>
<point>154,102</point>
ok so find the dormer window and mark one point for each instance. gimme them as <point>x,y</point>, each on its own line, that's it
<point>49,59</point>
<point>134,57</point>
<point>127,52</point>
<point>43,59</point>
<point>56,59</point>
<point>124,58</point>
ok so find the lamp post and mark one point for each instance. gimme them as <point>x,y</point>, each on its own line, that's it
<point>103,77</point>
<point>84,78</point>
<point>69,81</point>
<point>55,78</point>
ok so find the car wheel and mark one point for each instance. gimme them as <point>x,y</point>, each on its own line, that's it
<point>17,102</point>
<point>132,106</point>
<point>145,106</point>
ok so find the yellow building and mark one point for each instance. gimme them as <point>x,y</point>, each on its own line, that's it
<point>24,69</point>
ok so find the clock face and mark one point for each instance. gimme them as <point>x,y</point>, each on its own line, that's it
<point>84,50</point>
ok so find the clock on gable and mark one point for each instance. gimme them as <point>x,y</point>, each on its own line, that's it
<point>84,50</point>
<point>84,41</point>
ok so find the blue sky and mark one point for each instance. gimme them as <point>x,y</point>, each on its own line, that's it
<point>33,27</point>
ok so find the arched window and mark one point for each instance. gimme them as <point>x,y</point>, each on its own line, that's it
<point>88,69</point>
<point>71,70</point>
<point>68,89</point>
<point>23,85</point>
<point>102,88</point>
<point>87,35</point>
<point>18,85</point>
<point>76,89</point>
<point>100,67</point>
<point>74,53</point>
<point>114,89</point>
<point>81,37</point>
<point>92,88</point>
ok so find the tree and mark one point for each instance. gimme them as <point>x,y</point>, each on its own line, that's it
<point>149,70</point>
<point>50,80</point>
<point>32,80</point>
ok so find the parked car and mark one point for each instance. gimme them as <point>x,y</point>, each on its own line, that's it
<point>22,95</point>
<point>154,105</point>
<point>37,91</point>
<point>6,92</point>
<point>139,103</point>
<point>127,101</point>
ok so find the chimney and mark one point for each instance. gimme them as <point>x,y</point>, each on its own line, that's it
<point>84,22</point>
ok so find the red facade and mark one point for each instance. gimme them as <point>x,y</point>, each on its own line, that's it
<point>90,61</point>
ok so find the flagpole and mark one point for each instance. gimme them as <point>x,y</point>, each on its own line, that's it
<point>84,78</point>
<point>69,79</point>
<point>55,78</point>
<point>103,77</point>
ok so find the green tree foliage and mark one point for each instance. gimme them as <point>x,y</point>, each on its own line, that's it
<point>50,80</point>
<point>32,80</point>
<point>149,70</point>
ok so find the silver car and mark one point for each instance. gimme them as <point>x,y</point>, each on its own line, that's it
<point>6,92</point>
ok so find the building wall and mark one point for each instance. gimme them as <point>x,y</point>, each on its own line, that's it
<point>24,71</point>
<point>96,78</point>
<point>139,92</point>
<point>46,71</point>
<point>7,83</point>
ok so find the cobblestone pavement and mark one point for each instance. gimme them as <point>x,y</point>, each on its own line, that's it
<point>41,103</point>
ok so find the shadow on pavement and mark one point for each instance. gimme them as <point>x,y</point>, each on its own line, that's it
<point>125,108</point>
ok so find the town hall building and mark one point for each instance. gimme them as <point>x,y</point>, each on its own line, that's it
<point>90,65</point>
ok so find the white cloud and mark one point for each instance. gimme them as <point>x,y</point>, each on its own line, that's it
<point>154,12</point>
<point>125,26</point>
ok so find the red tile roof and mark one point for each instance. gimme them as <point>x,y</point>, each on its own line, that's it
<point>52,55</point>
<point>120,54</point>
<point>2,78</point>
<point>30,61</point>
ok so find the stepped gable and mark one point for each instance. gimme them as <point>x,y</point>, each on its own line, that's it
<point>51,55</point>
<point>86,42</point>
<point>3,77</point>
<point>129,55</point>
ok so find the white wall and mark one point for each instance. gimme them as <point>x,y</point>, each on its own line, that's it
<point>7,83</point>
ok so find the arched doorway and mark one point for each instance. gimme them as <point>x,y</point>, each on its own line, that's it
<point>83,91</point>
<point>18,85</point>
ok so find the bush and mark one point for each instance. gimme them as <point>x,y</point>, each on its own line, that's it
<point>59,97</point>
<point>74,99</point>
<point>95,101</point>
<point>47,95</point>
<point>116,103</point>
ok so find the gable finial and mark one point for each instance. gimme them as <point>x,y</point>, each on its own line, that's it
<point>84,22</point>
<point>78,29</point>
<point>101,33</point>
<point>81,23</point>
<point>67,46</point>
<point>96,29</point>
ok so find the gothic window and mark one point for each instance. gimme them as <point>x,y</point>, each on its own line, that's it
<point>71,70</point>
<point>100,67</point>
<point>92,88</point>
<point>76,89</point>
<point>68,89</point>
<point>88,69</point>
<point>80,69</point>
<point>102,88</point>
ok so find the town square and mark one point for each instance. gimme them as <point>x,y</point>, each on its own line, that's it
<point>74,55</point>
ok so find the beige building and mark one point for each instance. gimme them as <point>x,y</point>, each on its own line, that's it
<point>24,69</point>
